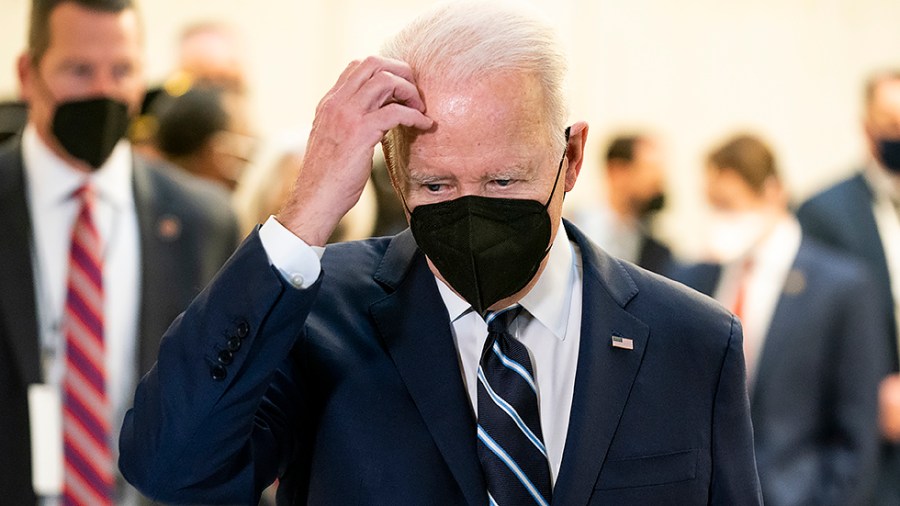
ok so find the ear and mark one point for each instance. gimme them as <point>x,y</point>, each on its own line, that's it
<point>575,152</point>
<point>25,71</point>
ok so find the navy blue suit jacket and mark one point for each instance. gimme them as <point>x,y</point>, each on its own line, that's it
<point>841,216</point>
<point>814,400</point>
<point>351,391</point>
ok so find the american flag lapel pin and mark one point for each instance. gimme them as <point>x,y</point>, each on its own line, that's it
<point>622,342</point>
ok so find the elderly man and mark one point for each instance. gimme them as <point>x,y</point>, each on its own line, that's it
<point>362,374</point>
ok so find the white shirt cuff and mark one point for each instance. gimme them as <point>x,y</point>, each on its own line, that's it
<point>298,262</point>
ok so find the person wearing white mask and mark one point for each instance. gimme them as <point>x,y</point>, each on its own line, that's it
<point>812,333</point>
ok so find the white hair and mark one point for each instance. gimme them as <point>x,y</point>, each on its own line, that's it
<point>469,39</point>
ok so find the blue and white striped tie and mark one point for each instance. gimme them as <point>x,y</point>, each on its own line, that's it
<point>510,443</point>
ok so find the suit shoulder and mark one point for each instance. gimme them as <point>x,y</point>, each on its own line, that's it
<point>673,304</point>
<point>830,199</point>
<point>201,200</point>
<point>832,264</point>
<point>345,261</point>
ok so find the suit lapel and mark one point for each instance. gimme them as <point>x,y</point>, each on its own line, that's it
<point>605,374</point>
<point>784,319</point>
<point>157,267</point>
<point>421,345</point>
<point>17,304</point>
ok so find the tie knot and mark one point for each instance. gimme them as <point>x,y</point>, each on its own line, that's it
<point>85,193</point>
<point>500,321</point>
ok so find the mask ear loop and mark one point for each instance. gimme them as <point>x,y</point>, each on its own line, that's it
<point>559,170</point>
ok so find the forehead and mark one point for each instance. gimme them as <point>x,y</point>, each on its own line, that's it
<point>490,120</point>
<point>77,32</point>
<point>886,97</point>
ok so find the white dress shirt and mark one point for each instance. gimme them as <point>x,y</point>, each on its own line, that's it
<point>550,327</point>
<point>770,264</point>
<point>53,208</point>
<point>886,208</point>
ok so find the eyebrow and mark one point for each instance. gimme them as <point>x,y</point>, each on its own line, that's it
<point>514,171</point>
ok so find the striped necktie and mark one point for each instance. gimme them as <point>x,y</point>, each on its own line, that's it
<point>510,443</point>
<point>89,471</point>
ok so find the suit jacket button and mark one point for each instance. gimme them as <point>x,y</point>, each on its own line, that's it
<point>233,344</point>
<point>243,329</point>
<point>225,357</point>
<point>218,372</point>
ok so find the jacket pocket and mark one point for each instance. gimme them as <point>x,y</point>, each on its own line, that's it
<point>650,470</point>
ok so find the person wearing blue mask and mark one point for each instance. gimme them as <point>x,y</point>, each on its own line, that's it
<point>490,354</point>
<point>101,250</point>
<point>861,215</point>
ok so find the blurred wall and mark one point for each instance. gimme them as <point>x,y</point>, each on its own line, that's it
<point>693,70</point>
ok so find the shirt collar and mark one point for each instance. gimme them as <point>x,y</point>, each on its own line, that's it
<point>777,250</point>
<point>51,180</point>
<point>549,299</point>
<point>883,184</point>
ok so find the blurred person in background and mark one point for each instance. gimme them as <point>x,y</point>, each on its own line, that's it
<point>205,132</point>
<point>210,54</point>
<point>265,187</point>
<point>619,221</point>
<point>861,215</point>
<point>813,334</point>
<point>101,251</point>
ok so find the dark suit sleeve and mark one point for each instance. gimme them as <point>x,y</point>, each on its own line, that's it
<point>208,424</point>
<point>734,477</point>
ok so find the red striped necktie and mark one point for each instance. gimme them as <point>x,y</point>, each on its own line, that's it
<point>89,471</point>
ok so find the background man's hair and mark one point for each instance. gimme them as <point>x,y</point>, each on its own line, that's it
<point>748,156</point>
<point>39,25</point>
<point>187,122</point>
<point>622,147</point>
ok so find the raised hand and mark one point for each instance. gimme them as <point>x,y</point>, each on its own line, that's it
<point>369,98</point>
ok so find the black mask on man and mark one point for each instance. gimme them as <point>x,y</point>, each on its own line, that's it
<point>652,206</point>
<point>89,129</point>
<point>889,154</point>
<point>486,248</point>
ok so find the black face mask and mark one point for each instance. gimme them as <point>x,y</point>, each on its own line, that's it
<point>90,129</point>
<point>652,206</point>
<point>485,248</point>
<point>889,153</point>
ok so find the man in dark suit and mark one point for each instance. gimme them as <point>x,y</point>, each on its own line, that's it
<point>812,338</point>
<point>360,376</point>
<point>164,235</point>
<point>635,179</point>
<point>861,215</point>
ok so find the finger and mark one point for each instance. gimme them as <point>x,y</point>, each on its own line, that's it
<point>393,115</point>
<point>385,88</point>
<point>375,64</point>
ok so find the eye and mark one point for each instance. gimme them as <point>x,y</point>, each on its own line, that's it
<point>123,70</point>
<point>434,187</point>
<point>81,70</point>
<point>502,182</point>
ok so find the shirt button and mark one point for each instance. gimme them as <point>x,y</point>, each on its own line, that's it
<point>218,372</point>
<point>297,280</point>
